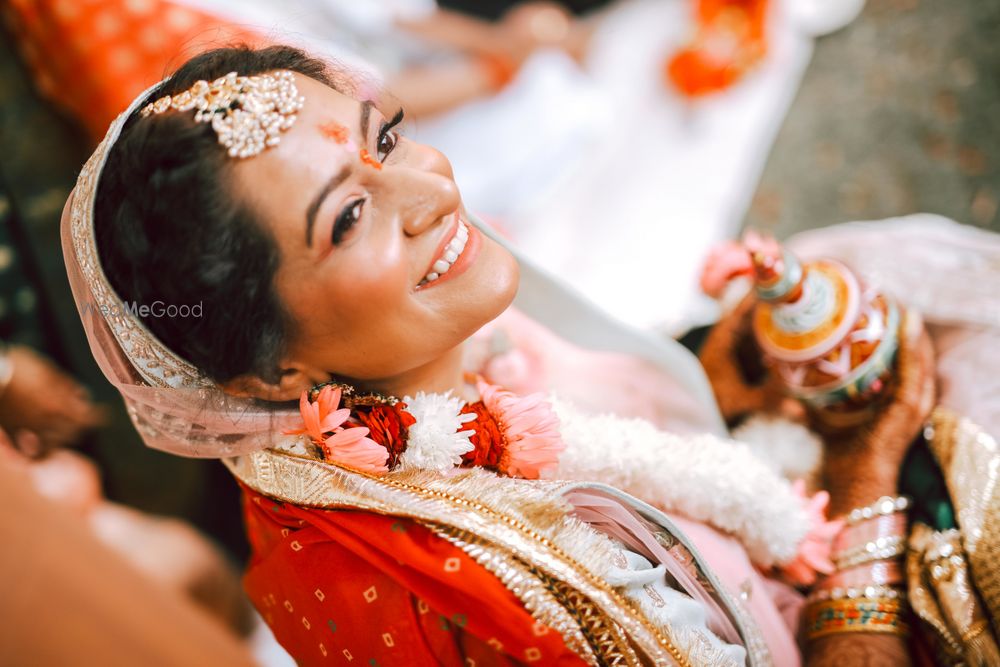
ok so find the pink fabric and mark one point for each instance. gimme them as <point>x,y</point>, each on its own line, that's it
<point>774,606</point>
<point>523,356</point>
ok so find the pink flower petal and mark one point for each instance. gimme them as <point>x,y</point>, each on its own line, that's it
<point>814,551</point>
<point>351,448</point>
<point>321,416</point>
<point>530,428</point>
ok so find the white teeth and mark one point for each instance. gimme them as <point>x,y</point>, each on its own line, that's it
<point>451,254</point>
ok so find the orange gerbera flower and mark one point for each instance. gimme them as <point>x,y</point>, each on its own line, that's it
<point>323,422</point>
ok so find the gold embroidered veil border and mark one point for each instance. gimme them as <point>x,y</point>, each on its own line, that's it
<point>173,405</point>
<point>970,460</point>
<point>517,529</point>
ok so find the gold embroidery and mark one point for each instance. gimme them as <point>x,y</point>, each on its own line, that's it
<point>970,459</point>
<point>313,483</point>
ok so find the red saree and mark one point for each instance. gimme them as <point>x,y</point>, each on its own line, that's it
<point>342,584</point>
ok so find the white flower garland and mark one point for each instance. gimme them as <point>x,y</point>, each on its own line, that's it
<point>790,449</point>
<point>435,442</point>
<point>702,477</point>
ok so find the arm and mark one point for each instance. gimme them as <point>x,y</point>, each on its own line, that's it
<point>425,91</point>
<point>103,608</point>
<point>863,467</point>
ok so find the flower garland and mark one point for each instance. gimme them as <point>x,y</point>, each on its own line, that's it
<point>512,435</point>
<point>704,478</point>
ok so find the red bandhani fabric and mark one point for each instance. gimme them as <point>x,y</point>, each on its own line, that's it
<point>344,586</point>
<point>93,58</point>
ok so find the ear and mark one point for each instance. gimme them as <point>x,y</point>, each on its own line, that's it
<point>290,385</point>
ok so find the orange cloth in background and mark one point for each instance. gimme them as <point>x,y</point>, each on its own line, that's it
<point>729,40</point>
<point>93,58</point>
<point>381,590</point>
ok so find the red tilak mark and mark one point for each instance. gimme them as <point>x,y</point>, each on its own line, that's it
<point>335,131</point>
<point>369,160</point>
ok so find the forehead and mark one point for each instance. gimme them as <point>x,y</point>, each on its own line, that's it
<point>322,101</point>
<point>303,156</point>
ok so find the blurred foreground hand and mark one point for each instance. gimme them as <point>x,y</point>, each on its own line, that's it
<point>42,407</point>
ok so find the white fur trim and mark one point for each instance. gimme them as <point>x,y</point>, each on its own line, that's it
<point>435,442</point>
<point>789,448</point>
<point>703,477</point>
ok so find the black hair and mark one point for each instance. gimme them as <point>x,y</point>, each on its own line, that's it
<point>171,231</point>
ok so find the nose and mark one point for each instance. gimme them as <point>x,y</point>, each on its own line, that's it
<point>425,189</point>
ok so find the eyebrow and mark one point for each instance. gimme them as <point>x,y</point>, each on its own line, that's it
<point>366,114</point>
<point>339,177</point>
<point>320,197</point>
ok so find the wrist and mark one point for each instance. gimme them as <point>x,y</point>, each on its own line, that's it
<point>858,481</point>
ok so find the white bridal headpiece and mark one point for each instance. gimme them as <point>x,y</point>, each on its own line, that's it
<point>249,113</point>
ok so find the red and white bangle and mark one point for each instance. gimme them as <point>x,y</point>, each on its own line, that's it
<point>879,573</point>
<point>884,525</point>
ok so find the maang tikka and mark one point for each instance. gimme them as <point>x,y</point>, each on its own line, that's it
<point>248,113</point>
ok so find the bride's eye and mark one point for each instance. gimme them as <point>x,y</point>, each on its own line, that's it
<point>388,137</point>
<point>348,217</point>
<point>386,143</point>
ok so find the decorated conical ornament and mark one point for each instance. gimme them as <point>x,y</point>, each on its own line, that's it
<point>830,338</point>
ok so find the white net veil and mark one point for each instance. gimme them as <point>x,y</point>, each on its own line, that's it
<point>173,405</point>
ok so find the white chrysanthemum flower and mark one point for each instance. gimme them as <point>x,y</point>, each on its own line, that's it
<point>293,444</point>
<point>435,442</point>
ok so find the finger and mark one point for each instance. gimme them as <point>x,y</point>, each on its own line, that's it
<point>915,370</point>
<point>928,394</point>
<point>28,443</point>
<point>84,414</point>
<point>9,451</point>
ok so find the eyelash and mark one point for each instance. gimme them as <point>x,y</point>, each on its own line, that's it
<point>351,214</point>
<point>385,132</point>
<point>348,217</point>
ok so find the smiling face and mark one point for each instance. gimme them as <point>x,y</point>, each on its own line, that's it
<point>381,273</point>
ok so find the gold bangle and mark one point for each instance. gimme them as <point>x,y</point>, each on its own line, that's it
<point>882,548</point>
<point>883,506</point>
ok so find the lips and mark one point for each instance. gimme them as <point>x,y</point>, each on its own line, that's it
<point>450,253</point>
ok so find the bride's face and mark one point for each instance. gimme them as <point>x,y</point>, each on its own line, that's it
<point>360,233</point>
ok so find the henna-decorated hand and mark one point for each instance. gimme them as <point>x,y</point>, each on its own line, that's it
<point>742,383</point>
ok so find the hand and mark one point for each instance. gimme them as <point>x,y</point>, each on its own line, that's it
<point>742,383</point>
<point>43,408</point>
<point>540,24</point>
<point>863,464</point>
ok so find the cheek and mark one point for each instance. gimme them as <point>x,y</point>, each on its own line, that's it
<point>365,289</point>
<point>480,295</point>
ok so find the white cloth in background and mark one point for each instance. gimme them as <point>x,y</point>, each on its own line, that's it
<point>360,34</point>
<point>602,174</point>
<point>610,180</point>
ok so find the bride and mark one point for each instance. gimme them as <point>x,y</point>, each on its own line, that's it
<point>272,274</point>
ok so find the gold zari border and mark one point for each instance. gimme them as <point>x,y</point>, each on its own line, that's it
<point>308,482</point>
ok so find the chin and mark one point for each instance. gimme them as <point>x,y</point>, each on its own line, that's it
<point>504,280</point>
